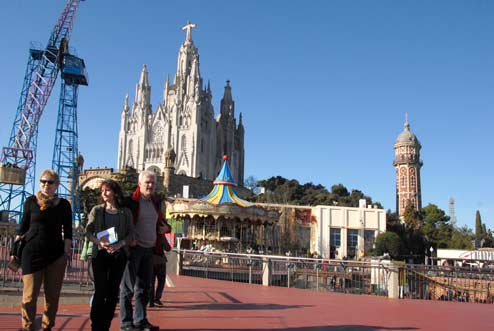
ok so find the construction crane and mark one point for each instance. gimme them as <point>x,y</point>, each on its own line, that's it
<point>18,159</point>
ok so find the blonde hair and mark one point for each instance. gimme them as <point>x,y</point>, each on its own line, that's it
<point>51,173</point>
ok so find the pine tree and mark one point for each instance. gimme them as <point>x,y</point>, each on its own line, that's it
<point>478,228</point>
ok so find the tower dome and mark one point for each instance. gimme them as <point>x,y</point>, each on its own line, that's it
<point>407,136</point>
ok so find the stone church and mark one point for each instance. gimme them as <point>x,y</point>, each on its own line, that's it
<point>183,125</point>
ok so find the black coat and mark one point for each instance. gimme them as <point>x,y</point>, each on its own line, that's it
<point>45,233</point>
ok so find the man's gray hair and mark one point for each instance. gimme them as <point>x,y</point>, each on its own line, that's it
<point>146,173</point>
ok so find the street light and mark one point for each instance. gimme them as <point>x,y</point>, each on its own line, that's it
<point>432,250</point>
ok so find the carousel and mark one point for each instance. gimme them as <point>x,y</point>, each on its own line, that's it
<point>225,221</point>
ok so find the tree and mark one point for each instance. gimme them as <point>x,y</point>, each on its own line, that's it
<point>461,238</point>
<point>436,229</point>
<point>251,183</point>
<point>290,191</point>
<point>89,199</point>
<point>339,190</point>
<point>415,241</point>
<point>412,217</point>
<point>478,228</point>
<point>389,242</point>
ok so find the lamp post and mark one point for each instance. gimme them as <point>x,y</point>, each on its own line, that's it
<point>432,250</point>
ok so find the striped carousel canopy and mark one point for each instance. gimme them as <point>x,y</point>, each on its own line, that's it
<point>224,188</point>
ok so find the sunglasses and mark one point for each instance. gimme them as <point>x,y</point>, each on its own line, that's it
<point>47,181</point>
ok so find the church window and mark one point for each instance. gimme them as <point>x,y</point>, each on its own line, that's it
<point>403,157</point>
<point>403,203</point>
<point>403,181</point>
<point>412,181</point>
<point>184,143</point>
<point>413,202</point>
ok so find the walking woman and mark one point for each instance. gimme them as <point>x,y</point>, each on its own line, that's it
<point>47,228</point>
<point>109,256</point>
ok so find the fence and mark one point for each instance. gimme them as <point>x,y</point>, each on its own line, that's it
<point>76,274</point>
<point>315,274</point>
<point>375,277</point>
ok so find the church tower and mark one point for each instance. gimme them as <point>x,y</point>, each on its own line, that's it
<point>183,122</point>
<point>407,164</point>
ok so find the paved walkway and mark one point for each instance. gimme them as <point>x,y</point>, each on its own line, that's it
<point>198,304</point>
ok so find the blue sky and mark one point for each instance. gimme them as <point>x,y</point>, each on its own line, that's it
<point>323,85</point>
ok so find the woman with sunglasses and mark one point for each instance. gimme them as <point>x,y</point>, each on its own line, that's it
<point>109,255</point>
<point>47,228</point>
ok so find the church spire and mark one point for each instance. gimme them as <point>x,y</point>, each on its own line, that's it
<point>227,104</point>
<point>143,92</point>
<point>126,109</point>
<point>165,89</point>
<point>125,114</point>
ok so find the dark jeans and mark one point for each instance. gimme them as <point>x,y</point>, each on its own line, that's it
<point>136,282</point>
<point>159,278</point>
<point>108,270</point>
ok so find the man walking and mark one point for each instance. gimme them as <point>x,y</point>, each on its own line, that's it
<point>150,225</point>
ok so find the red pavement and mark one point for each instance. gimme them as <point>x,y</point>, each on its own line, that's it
<point>200,304</point>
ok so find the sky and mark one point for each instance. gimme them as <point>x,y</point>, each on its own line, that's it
<point>323,86</point>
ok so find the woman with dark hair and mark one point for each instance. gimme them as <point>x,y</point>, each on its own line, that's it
<point>111,229</point>
<point>47,228</point>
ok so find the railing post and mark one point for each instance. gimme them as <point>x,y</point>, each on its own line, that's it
<point>266,271</point>
<point>249,263</point>
<point>393,282</point>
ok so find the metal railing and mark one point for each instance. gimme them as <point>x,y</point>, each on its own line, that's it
<point>447,283</point>
<point>374,277</point>
<point>76,274</point>
<point>305,273</point>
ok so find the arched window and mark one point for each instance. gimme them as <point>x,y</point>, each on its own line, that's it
<point>404,203</point>
<point>412,181</point>
<point>403,181</point>
<point>184,143</point>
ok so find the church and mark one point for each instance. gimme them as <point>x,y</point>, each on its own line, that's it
<point>183,124</point>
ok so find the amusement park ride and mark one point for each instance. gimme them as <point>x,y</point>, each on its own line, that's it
<point>18,158</point>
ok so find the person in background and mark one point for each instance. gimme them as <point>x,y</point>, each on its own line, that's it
<point>150,224</point>
<point>108,259</point>
<point>159,271</point>
<point>47,228</point>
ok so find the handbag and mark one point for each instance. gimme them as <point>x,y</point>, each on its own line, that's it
<point>166,245</point>
<point>16,254</point>
<point>17,247</point>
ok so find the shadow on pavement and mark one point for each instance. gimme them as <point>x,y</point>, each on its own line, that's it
<point>318,328</point>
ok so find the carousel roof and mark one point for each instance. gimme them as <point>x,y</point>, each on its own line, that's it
<point>224,188</point>
<point>223,201</point>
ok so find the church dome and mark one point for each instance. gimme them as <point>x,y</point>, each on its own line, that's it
<point>407,136</point>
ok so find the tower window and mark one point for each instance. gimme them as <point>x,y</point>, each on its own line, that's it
<point>403,181</point>
<point>404,203</point>
<point>412,181</point>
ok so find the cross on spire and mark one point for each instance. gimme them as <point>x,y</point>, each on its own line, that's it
<point>189,26</point>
